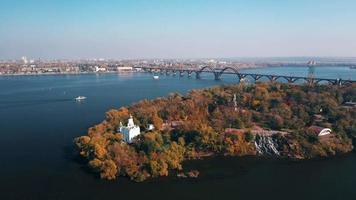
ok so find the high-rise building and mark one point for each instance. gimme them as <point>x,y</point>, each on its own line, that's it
<point>24,59</point>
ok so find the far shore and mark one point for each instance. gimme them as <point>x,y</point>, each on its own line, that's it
<point>127,72</point>
<point>68,73</point>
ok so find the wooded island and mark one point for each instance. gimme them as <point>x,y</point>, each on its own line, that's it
<point>262,119</point>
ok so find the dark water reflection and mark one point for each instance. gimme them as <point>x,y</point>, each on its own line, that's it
<point>39,119</point>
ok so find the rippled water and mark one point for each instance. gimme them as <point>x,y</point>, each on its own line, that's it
<point>39,119</point>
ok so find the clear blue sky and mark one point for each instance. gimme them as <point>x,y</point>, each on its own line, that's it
<point>176,28</point>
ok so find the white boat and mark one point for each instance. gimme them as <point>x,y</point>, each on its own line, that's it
<point>156,77</point>
<point>79,98</point>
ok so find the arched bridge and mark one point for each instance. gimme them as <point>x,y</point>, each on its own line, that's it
<point>218,72</point>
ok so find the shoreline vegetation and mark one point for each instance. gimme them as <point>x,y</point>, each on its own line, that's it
<point>262,119</point>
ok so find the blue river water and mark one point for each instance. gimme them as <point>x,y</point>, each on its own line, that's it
<point>39,119</point>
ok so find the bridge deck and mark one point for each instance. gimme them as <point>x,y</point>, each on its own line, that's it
<point>218,72</point>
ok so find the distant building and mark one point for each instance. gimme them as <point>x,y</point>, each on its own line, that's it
<point>138,69</point>
<point>24,59</point>
<point>319,131</point>
<point>100,69</point>
<point>124,69</point>
<point>211,61</point>
<point>312,63</point>
<point>130,131</point>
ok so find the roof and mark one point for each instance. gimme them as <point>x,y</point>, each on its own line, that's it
<point>317,129</point>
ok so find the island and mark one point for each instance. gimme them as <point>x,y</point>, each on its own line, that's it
<point>153,138</point>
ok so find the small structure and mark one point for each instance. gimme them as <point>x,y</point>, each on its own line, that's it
<point>150,127</point>
<point>320,131</point>
<point>319,118</point>
<point>171,125</point>
<point>350,104</point>
<point>130,131</point>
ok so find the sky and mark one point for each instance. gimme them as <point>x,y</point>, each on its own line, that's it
<point>117,29</point>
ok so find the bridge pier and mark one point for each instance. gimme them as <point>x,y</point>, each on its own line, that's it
<point>346,82</point>
<point>289,80</point>
<point>197,75</point>
<point>339,82</point>
<point>217,76</point>
<point>181,73</point>
<point>190,74</point>
<point>272,78</point>
<point>256,77</point>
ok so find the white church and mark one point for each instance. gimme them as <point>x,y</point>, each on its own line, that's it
<point>130,131</point>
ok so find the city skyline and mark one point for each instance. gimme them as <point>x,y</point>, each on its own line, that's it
<point>176,29</point>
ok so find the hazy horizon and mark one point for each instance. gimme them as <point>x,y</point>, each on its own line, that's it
<point>84,29</point>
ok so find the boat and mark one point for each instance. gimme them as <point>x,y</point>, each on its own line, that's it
<point>79,98</point>
<point>156,77</point>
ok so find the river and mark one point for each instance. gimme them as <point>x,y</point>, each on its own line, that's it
<point>39,119</point>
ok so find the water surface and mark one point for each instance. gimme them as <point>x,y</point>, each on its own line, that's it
<point>39,119</point>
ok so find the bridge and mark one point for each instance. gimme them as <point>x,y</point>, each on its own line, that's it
<point>218,72</point>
